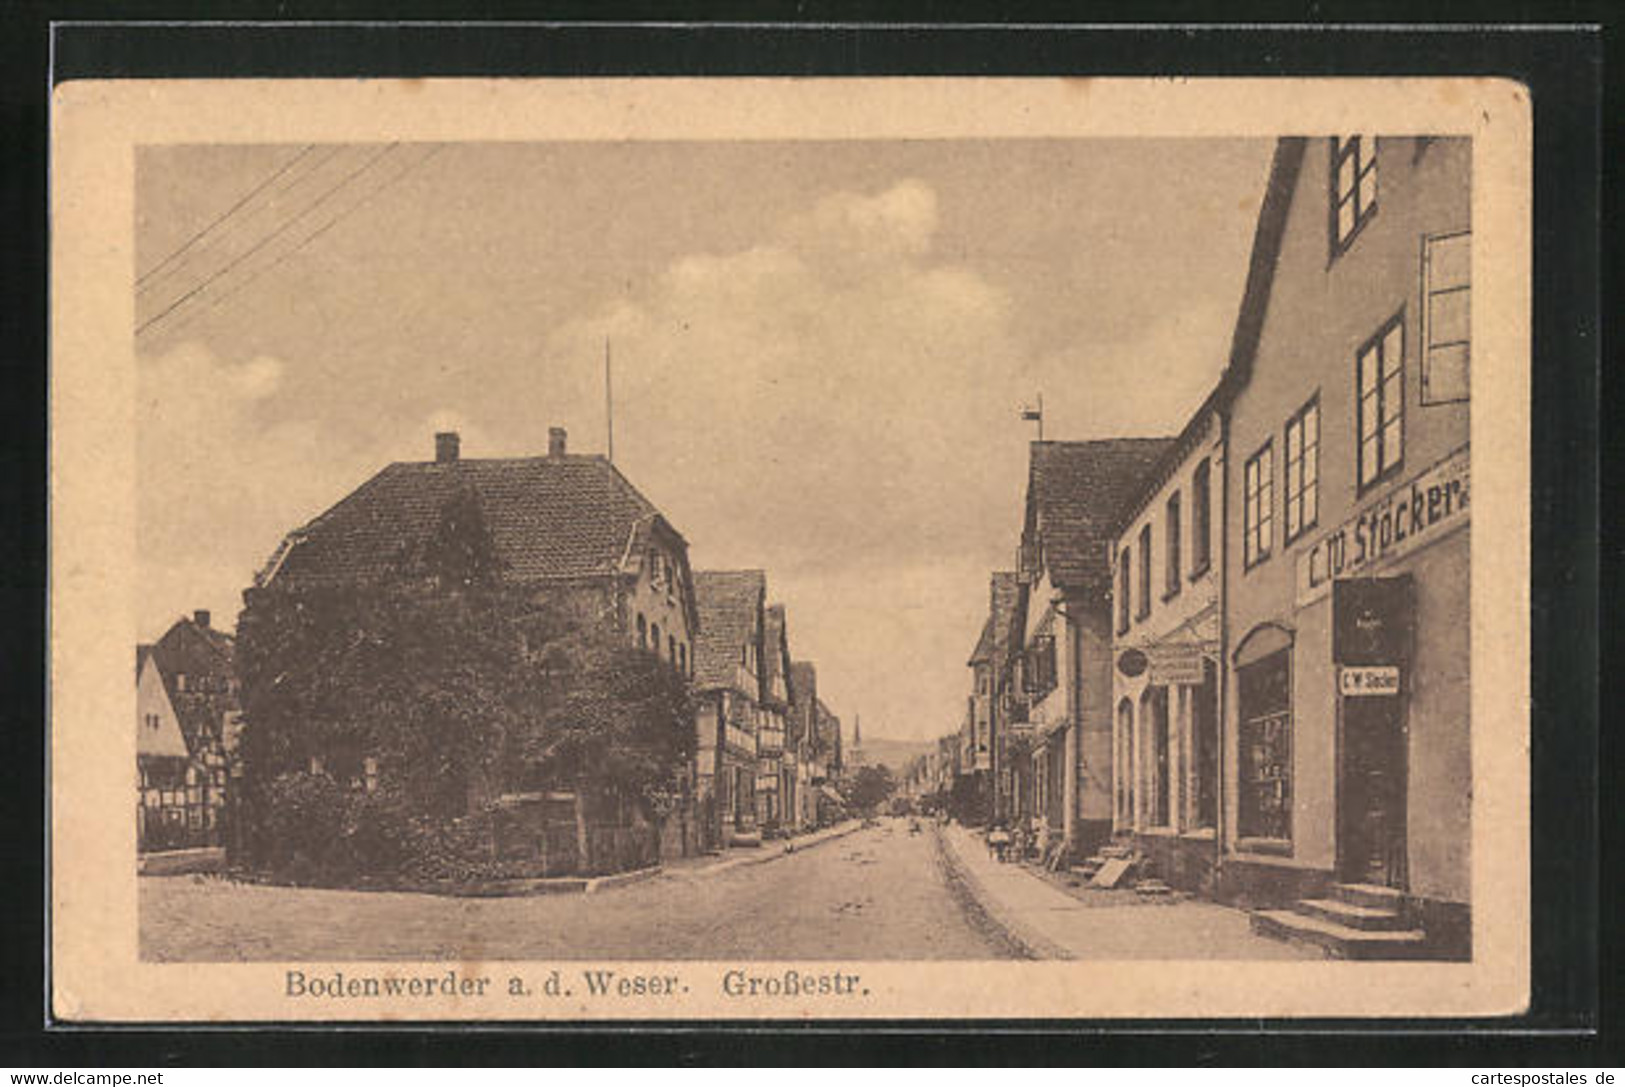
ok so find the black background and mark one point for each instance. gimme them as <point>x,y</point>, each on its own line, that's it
<point>1571,1021</point>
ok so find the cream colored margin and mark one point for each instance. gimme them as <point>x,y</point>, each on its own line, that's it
<point>95,972</point>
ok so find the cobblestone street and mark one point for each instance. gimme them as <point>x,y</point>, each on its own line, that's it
<point>880,893</point>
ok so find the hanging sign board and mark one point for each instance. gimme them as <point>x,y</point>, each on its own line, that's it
<point>1176,665</point>
<point>1371,679</point>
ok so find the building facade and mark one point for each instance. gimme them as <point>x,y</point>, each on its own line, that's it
<point>570,536</point>
<point>1168,660</point>
<point>1348,740</point>
<point>187,721</point>
<point>728,690</point>
<point>1074,490</point>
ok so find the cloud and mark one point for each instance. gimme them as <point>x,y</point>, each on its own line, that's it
<point>220,483</point>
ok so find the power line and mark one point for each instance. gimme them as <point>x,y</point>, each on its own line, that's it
<point>227,214</point>
<point>263,242</point>
<point>318,232</point>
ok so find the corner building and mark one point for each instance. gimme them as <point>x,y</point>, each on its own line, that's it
<point>1346,769</point>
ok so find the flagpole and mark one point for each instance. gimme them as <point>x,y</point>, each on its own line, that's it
<point>609,401</point>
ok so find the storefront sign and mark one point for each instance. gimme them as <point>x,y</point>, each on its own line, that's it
<point>1373,679</point>
<point>1176,664</point>
<point>1132,663</point>
<point>1413,514</point>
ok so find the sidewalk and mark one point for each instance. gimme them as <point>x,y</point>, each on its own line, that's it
<point>706,867</point>
<point>1054,925</point>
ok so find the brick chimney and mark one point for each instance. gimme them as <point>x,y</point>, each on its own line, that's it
<point>446,446</point>
<point>555,441</point>
<point>201,618</point>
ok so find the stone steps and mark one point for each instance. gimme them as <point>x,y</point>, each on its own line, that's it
<point>1358,921</point>
<point>1338,941</point>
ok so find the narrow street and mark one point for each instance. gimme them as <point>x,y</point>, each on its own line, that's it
<point>879,893</point>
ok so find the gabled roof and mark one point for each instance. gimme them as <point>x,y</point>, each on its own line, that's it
<point>193,649</point>
<point>984,644</point>
<point>730,604</point>
<point>776,650</point>
<point>804,698</point>
<point>1074,493</point>
<point>560,516</point>
<point>1006,594</point>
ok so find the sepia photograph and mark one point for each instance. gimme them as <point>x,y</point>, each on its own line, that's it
<point>651,563</point>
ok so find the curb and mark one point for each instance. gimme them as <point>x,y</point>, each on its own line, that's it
<point>765,855</point>
<point>621,879</point>
<point>181,862</point>
<point>1014,929</point>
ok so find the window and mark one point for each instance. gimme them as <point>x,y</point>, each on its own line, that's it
<point>654,637</point>
<point>1154,714</point>
<point>1446,317</point>
<point>1205,746</point>
<point>643,632</point>
<point>1170,547</point>
<point>1380,387</point>
<point>1258,506</point>
<point>1143,608</point>
<point>657,569</point>
<point>671,648</point>
<point>1353,187</point>
<point>1201,518</point>
<point>1303,470</point>
<point>1041,669</point>
<point>1265,694</point>
<point>1124,559</point>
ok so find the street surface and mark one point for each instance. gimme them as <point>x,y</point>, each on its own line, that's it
<point>879,893</point>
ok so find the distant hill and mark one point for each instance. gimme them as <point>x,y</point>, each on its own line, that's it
<point>892,754</point>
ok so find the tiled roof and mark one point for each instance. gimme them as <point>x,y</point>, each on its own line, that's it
<point>1006,592</point>
<point>729,601</point>
<point>549,517</point>
<point>1074,492</point>
<point>776,648</point>
<point>984,644</point>
<point>804,692</point>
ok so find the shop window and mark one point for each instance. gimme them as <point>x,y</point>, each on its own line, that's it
<point>1124,560</point>
<point>1201,518</point>
<point>1125,763</point>
<point>1205,747</point>
<point>1353,188</point>
<point>1170,547</point>
<point>1154,720</point>
<point>1446,317</point>
<point>1380,385</point>
<point>1264,691</point>
<point>1258,506</point>
<point>1143,607</point>
<point>1302,441</point>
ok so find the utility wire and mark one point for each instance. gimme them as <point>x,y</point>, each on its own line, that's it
<point>227,214</point>
<point>263,242</point>
<point>318,232</point>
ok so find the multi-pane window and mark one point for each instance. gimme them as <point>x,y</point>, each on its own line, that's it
<point>1170,547</point>
<point>1201,517</point>
<point>1124,559</point>
<point>1446,317</point>
<point>1354,187</point>
<point>1264,691</point>
<point>1381,389</point>
<point>1303,470</point>
<point>1258,506</point>
<point>1144,604</point>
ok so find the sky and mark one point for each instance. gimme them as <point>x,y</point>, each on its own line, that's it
<point>820,351</point>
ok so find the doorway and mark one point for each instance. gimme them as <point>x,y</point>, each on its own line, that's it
<point>1371,794</point>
